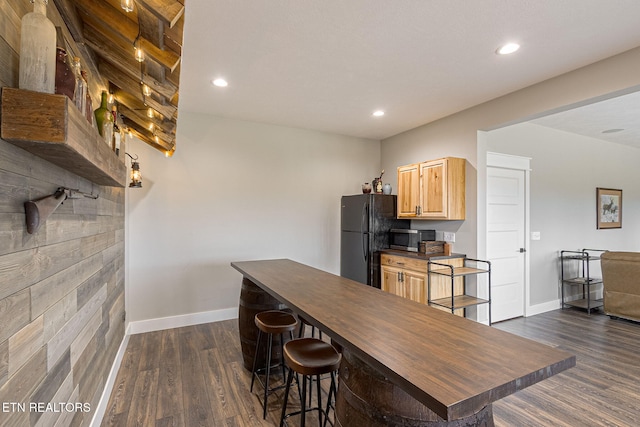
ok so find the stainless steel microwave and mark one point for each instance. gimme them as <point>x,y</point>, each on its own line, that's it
<point>408,239</point>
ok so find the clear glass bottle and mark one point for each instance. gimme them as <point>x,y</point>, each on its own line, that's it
<point>88,105</point>
<point>37,50</point>
<point>80,92</point>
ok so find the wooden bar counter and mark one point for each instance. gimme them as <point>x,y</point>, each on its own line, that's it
<point>453,366</point>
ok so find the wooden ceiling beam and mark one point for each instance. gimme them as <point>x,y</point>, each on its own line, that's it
<point>141,118</point>
<point>151,28</point>
<point>169,11</point>
<point>126,62</point>
<point>147,136</point>
<point>126,83</point>
<point>101,15</point>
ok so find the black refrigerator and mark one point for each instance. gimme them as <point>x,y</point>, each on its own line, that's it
<point>365,223</point>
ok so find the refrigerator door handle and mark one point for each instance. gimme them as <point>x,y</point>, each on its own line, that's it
<point>365,234</point>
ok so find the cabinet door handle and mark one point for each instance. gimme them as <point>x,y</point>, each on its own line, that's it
<point>419,210</point>
<point>522,250</point>
<point>399,277</point>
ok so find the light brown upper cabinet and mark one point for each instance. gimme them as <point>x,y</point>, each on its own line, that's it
<point>432,190</point>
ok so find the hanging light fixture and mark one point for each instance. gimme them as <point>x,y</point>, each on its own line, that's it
<point>139,53</point>
<point>136,176</point>
<point>127,5</point>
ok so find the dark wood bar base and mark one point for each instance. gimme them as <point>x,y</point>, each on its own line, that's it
<point>253,300</point>
<point>366,398</point>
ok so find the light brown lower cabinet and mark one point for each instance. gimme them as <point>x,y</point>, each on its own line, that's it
<point>407,277</point>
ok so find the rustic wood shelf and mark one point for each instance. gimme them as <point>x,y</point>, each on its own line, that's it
<point>52,128</point>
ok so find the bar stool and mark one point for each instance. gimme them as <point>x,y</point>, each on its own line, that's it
<point>303,325</point>
<point>271,322</point>
<point>310,357</point>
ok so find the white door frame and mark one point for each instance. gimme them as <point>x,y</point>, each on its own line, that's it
<point>507,161</point>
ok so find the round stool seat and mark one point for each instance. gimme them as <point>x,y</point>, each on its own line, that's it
<point>275,321</point>
<point>311,356</point>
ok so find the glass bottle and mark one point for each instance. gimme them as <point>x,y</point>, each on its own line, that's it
<point>80,92</point>
<point>65,79</point>
<point>37,50</point>
<point>88,105</point>
<point>116,130</point>
<point>104,122</point>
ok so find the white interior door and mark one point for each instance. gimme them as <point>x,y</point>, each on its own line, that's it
<point>506,241</point>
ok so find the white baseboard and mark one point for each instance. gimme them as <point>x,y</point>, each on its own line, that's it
<point>100,410</point>
<point>161,323</point>
<point>542,308</point>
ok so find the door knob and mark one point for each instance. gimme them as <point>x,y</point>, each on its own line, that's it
<point>522,250</point>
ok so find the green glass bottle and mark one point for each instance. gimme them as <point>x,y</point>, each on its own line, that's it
<point>103,119</point>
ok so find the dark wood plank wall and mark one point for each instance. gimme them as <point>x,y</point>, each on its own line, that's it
<point>61,289</point>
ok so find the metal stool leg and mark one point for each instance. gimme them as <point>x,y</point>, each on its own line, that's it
<point>255,359</point>
<point>286,397</point>
<point>266,380</point>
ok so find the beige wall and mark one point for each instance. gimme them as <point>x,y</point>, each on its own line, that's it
<point>565,170</point>
<point>457,135</point>
<point>235,190</point>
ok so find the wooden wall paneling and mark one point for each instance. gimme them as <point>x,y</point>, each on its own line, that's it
<point>13,234</point>
<point>92,245</point>
<point>14,191</point>
<point>48,292</point>
<point>19,386</point>
<point>63,394</point>
<point>59,314</point>
<point>25,343</point>
<point>14,159</point>
<point>61,289</point>
<point>57,345</point>
<point>14,313</point>
<point>116,321</point>
<point>84,337</point>
<point>9,65</point>
<point>51,384</point>
<point>10,26</point>
<point>22,269</point>
<point>92,285</point>
<point>4,362</point>
<point>83,372</point>
<point>12,277</point>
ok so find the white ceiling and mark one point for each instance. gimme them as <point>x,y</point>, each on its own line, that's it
<point>327,65</point>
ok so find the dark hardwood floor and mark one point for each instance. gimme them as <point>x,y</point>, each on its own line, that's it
<point>193,376</point>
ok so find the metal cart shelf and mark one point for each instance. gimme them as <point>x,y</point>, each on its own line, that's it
<point>464,300</point>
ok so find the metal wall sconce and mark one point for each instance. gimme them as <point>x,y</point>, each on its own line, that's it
<point>136,176</point>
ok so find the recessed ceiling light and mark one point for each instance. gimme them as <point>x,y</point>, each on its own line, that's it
<point>378,113</point>
<point>612,130</point>
<point>508,48</point>
<point>220,82</point>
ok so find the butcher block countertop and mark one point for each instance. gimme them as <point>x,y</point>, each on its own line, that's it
<point>453,365</point>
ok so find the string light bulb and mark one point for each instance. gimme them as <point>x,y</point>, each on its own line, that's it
<point>127,5</point>
<point>139,54</point>
<point>150,112</point>
<point>146,90</point>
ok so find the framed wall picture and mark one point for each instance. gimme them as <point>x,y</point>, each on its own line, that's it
<point>609,205</point>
